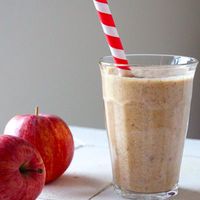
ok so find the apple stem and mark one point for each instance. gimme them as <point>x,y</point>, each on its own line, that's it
<point>37,110</point>
<point>24,170</point>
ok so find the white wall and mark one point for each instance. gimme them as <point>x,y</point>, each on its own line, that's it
<point>49,51</point>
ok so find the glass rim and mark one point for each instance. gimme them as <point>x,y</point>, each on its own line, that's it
<point>193,61</point>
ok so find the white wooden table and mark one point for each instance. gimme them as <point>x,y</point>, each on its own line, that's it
<point>89,175</point>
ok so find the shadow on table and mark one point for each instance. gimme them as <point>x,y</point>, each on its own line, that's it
<point>76,185</point>
<point>69,180</point>
<point>186,194</point>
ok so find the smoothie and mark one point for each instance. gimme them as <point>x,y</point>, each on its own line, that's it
<point>147,120</point>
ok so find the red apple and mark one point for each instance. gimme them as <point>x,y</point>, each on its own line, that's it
<point>50,135</point>
<point>22,171</point>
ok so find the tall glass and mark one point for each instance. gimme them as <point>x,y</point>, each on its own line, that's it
<point>147,112</point>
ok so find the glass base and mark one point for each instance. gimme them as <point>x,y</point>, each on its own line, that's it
<point>141,196</point>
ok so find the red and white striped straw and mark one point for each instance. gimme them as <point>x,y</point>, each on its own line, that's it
<point>111,33</point>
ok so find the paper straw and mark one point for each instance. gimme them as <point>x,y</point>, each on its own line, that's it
<point>111,33</point>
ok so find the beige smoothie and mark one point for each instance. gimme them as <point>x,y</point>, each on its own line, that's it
<point>147,120</point>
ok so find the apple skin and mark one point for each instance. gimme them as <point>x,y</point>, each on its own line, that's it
<point>16,184</point>
<point>50,135</point>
